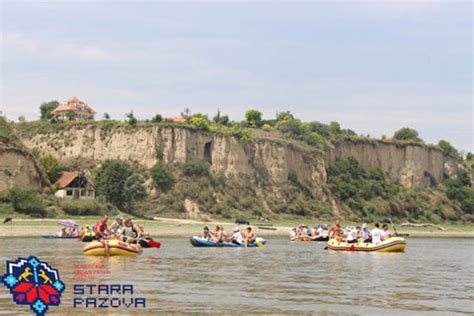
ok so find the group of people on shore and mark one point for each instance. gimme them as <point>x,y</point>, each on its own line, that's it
<point>360,234</point>
<point>303,231</point>
<point>122,229</point>
<point>238,237</point>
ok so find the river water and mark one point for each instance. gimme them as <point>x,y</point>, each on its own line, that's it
<point>433,276</point>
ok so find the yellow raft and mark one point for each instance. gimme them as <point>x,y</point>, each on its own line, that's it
<point>392,244</point>
<point>115,248</point>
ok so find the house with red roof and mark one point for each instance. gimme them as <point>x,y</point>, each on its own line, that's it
<point>176,119</point>
<point>75,108</point>
<point>74,185</point>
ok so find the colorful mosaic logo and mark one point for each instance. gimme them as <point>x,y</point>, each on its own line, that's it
<point>34,283</point>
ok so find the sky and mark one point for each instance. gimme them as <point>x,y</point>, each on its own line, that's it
<point>372,66</point>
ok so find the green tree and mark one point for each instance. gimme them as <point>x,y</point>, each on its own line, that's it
<point>266,127</point>
<point>253,118</point>
<point>200,122</point>
<point>221,119</point>
<point>118,184</point>
<point>162,177</point>
<point>448,149</point>
<point>157,118</point>
<point>469,156</point>
<point>106,116</point>
<point>134,190</point>
<point>28,202</point>
<point>407,134</point>
<point>132,120</point>
<point>51,167</point>
<point>467,205</point>
<point>46,108</point>
<point>284,116</point>
<point>335,128</point>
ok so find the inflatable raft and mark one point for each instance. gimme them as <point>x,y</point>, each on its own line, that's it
<point>115,248</point>
<point>392,244</point>
<point>58,237</point>
<point>201,242</point>
<point>309,238</point>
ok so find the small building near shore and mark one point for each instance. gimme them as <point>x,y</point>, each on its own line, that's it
<point>73,108</point>
<point>74,185</point>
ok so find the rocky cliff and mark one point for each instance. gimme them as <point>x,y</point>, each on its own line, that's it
<point>410,165</point>
<point>18,167</point>
<point>268,159</point>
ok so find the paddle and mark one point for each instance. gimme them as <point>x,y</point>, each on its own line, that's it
<point>259,244</point>
<point>154,244</point>
<point>394,229</point>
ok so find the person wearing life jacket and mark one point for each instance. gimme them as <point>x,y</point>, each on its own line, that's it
<point>131,233</point>
<point>117,227</point>
<point>101,230</point>
<point>87,234</point>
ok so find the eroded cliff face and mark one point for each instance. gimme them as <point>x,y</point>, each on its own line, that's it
<point>411,166</point>
<point>265,159</point>
<point>18,168</point>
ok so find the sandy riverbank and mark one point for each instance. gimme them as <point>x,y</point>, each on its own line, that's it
<point>166,227</point>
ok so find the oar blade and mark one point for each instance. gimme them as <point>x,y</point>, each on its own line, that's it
<point>154,244</point>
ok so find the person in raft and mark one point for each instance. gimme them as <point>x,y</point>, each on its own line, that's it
<point>131,232</point>
<point>319,231</point>
<point>376,234</point>
<point>385,233</point>
<point>364,234</point>
<point>352,236</point>
<point>217,235</point>
<point>206,233</point>
<point>101,230</point>
<point>237,236</point>
<point>249,236</point>
<point>116,228</point>
<point>336,231</point>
